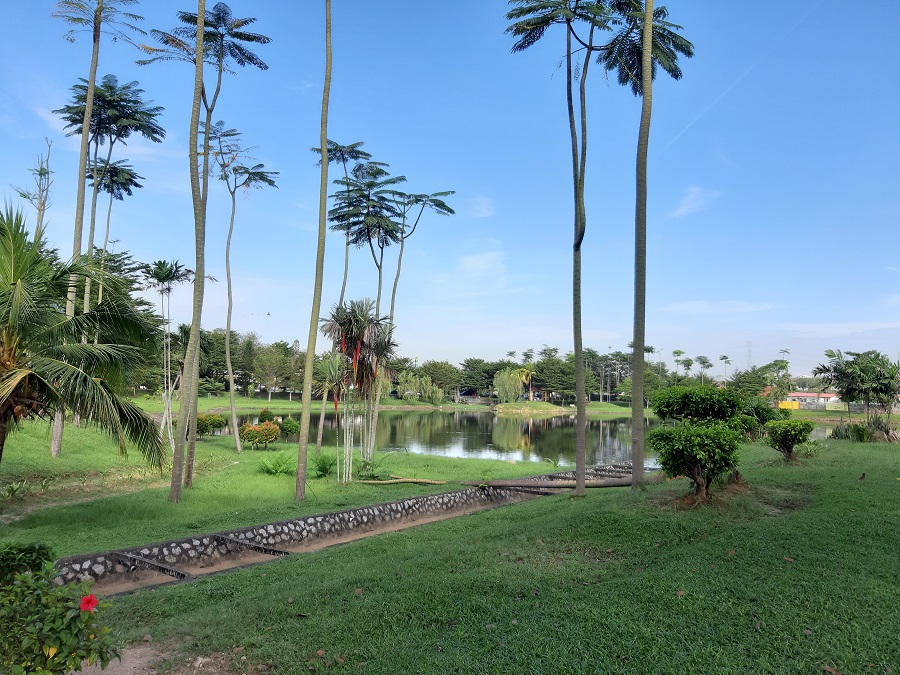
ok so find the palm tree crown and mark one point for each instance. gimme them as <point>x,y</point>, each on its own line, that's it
<point>44,364</point>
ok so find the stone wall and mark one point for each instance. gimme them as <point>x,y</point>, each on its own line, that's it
<point>170,557</point>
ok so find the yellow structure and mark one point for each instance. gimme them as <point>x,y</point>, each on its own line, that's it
<point>789,405</point>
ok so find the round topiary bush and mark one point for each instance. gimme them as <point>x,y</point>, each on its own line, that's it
<point>785,435</point>
<point>700,452</point>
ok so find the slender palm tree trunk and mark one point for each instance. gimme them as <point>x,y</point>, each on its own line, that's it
<point>640,258</point>
<point>95,193</point>
<point>579,155</point>
<point>228,368</point>
<point>187,392</point>
<point>396,280</point>
<point>105,247</point>
<point>322,422</point>
<point>300,492</point>
<point>346,268</point>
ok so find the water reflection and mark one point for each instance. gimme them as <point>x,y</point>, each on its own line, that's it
<point>482,435</point>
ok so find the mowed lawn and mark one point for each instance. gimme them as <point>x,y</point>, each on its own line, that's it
<point>800,574</point>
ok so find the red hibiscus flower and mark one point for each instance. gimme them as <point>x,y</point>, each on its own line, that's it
<point>89,603</point>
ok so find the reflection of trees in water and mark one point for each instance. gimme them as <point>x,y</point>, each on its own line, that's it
<point>462,433</point>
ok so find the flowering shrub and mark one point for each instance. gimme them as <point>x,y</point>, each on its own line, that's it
<point>47,629</point>
<point>265,433</point>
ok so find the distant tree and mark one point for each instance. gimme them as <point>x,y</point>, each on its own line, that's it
<point>443,374</point>
<point>474,375</point>
<point>508,385</point>
<point>704,364</point>
<point>726,361</point>
<point>270,366</point>
<point>750,382</point>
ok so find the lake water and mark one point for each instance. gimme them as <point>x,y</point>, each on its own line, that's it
<point>482,435</point>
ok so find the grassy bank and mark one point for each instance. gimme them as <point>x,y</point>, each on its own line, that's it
<point>795,576</point>
<point>91,499</point>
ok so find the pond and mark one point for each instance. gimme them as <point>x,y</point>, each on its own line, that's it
<point>482,435</point>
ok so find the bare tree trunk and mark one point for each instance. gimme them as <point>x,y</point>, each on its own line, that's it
<point>185,409</point>
<point>640,258</point>
<point>300,492</point>
<point>59,419</point>
<point>228,368</point>
<point>321,423</point>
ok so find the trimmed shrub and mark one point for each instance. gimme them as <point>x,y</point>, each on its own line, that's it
<point>47,629</point>
<point>696,404</point>
<point>256,434</point>
<point>265,415</point>
<point>209,422</point>
<point>784,435</point>
<point>702,453</point>
<point>289,426</point>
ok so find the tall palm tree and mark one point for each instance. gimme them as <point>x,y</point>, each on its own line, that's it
<point>344,154</point>
<point>406,205</point>
<point>118,112</point>
<point>228,155</point>
<point>306,404</point>
<point>43,363</point>
<point>218,38</point>
<point>97,17</point>
<point>531,20</point>
<point>119,179</point>
<point>644,41</point>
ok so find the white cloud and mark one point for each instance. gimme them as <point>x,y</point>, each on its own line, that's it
<point>717,307</point>
<point>696,199</point>
<point>832,330</point>
<point>482,207</point>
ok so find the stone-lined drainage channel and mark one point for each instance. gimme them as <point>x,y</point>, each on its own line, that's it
<point>126,570</point>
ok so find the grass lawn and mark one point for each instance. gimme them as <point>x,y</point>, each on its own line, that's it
<point>798,575</point>
<point>91,499</point>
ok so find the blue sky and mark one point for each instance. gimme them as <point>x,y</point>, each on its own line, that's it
<point>774,167</point>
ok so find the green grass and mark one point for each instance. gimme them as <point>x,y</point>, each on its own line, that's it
<point>798,574</point>
<point>97,500</point>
